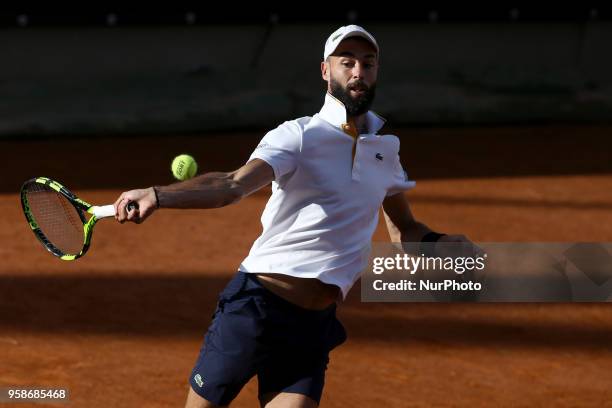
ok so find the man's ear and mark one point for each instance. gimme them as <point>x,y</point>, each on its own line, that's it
<point>325,70</point>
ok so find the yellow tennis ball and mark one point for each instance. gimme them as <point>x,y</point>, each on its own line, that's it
<point>184,167</point>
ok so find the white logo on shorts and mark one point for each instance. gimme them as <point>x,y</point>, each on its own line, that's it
<point>198,380</point>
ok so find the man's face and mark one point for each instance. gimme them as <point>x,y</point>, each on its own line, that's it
<point>351,73</point>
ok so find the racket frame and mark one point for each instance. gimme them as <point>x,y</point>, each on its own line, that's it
<point>80,205</point>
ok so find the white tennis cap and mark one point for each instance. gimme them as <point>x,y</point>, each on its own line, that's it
<point>345,32</point>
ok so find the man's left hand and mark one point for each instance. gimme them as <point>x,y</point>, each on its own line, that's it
<point>457,246</point>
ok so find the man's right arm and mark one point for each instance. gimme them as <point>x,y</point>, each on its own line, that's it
<point>209,190</point>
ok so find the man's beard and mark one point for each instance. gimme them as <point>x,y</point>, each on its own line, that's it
<point>354,106</point>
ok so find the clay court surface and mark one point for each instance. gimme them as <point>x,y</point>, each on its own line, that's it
<point>123,326</point>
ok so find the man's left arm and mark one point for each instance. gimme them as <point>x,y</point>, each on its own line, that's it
<point>403,227</point>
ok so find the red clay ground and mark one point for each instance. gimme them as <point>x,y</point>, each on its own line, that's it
<point>122,326</point>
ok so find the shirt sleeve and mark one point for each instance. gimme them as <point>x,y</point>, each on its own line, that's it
<point>280,148</point>
<point>399,181</point>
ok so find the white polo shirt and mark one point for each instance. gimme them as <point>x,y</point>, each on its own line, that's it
<point>324,207</point>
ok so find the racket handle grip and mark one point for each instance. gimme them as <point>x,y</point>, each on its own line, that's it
<point>105,211</point>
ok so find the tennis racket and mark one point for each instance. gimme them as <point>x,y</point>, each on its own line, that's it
<point>58,217</point>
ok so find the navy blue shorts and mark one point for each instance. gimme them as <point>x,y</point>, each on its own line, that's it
<point>255,332</point>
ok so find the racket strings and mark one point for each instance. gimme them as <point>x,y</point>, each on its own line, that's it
<point>57,218</point>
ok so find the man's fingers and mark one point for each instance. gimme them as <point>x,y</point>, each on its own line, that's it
<point>122,210</point>
<point>116,205</point>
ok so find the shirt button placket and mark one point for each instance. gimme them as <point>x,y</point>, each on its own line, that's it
<point>356,161</point>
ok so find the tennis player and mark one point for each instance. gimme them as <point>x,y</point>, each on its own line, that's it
<point>330,174</point>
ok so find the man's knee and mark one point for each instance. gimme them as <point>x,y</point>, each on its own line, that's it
<point>195,401</point>
<point>287,400</point>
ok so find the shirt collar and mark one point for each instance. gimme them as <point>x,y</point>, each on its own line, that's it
<point>334,112</point>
